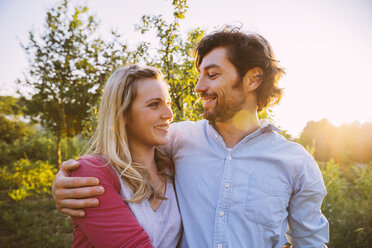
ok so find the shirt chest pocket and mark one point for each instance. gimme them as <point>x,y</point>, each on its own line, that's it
<point>266,202</point>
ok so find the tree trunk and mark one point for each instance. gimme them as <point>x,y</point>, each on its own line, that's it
<point>59,156</point>
<point>62,128</point>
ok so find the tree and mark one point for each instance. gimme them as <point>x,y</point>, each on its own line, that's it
<point>174,57</point>
<point>68,66</point>
<point>349,142</point>
<point>11,106</point>
<point>320,135</point>
<point>11,128</point>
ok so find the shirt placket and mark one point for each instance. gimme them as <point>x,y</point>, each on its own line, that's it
<point>223,205</point>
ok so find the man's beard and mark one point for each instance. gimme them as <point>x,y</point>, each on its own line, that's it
<point>226,107</point>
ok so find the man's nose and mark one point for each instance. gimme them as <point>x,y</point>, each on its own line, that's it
<point>200,85</point>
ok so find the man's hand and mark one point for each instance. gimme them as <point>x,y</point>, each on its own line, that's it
<point>74,193</point>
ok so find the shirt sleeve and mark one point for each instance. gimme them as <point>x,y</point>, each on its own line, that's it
<point>167,149</point>
<point>307,226</point>
<point>111,224</point>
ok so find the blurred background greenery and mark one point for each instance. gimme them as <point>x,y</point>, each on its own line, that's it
<point>68,66</point>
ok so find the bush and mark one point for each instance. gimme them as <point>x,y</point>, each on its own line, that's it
<point>36,145</point>
<point>26,178</point>
<point>39,145</point>
<point>72,147</point>
<point>347,205</point>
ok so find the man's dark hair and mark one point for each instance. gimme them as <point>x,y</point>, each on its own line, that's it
<point>247,51</point>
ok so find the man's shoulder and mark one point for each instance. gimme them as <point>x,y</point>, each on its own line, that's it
<point>188,126</point>
<point>290,150</point>
<point>277,139</point>
<point>295,159</point>
<point>189,123</point>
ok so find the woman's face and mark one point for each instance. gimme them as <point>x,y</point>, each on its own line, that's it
<point>148,119</point>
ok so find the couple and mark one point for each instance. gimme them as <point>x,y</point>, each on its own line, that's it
<point>239,183</point>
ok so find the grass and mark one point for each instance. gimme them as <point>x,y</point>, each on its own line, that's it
<point>33,222</point>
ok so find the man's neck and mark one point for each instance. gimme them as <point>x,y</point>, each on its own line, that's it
<point>234,130</point>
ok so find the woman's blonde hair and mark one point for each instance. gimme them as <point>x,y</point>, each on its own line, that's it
<point>110,137</point>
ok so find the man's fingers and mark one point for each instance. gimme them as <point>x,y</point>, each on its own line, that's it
<point>74,182</point>
<point>77,193</point>
<point>72,212</point>
<point>78,204</point>
<point>69,165</point>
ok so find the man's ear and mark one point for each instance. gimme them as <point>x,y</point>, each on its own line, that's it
<point>252,79</point>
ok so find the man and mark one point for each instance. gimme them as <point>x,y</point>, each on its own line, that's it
<point>239,183</point>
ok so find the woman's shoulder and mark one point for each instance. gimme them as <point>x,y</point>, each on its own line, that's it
<point>96,165</point>
<point>94,160</point>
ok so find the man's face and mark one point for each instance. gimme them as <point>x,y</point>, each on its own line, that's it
<point>219,86</point>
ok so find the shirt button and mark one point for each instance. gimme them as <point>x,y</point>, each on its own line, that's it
<point>216,136</point>
<point>227,185</point>
<point>219,246</point>
<point>229,157</point>
<point>221,213</point>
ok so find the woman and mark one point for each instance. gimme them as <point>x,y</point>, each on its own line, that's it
<point>133,119</point>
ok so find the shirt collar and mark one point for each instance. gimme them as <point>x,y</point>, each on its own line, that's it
<point>265,126</point>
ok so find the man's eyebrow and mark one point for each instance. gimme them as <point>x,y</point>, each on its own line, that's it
<point>207,67</point>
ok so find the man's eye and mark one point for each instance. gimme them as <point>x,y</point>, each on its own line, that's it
<point>212,75</point>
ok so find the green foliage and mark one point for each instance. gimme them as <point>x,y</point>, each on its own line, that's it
<point>25,178</point>
<point>10,105</point>
<point>11,128</point>
<point>34,145</point>
<point>175,59</point>
<point>346,143</point>
<point>33,222</point>
<point>22,140</point>
<point>39,144</point>
<point>347,205</point>
<point>72,147</point>
<point>68,66</point>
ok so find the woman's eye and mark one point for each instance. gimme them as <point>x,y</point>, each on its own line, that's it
<point>154,104</point>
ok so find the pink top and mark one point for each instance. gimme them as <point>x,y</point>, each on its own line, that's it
<point>111,224</point>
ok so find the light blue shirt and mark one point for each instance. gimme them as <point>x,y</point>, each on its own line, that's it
<point>264,191</point>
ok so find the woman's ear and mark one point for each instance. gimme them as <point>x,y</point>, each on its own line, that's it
<point>125,118</point>
<point>252,79</point>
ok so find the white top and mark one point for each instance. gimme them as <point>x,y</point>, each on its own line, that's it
<point>163,225</point>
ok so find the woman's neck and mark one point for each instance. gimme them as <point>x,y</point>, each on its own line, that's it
<point>144,155</point>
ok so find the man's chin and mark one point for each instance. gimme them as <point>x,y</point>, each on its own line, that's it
<point>210,117</point>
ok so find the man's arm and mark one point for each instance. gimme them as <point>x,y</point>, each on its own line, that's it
<point>307,226</point>
<point>72,194</point>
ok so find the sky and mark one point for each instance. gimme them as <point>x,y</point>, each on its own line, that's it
<point>324,45</point>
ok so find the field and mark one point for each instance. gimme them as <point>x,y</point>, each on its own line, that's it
<point>34,221</point>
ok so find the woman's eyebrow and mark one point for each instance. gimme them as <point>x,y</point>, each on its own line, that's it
<point>154,99</point>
